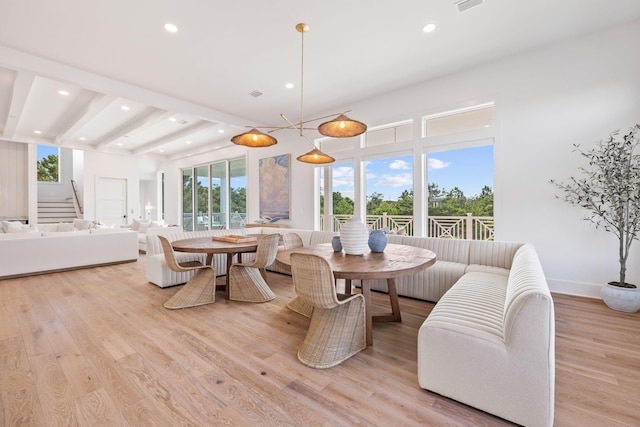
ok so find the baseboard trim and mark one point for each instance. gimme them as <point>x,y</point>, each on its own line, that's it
<point>581,289</point>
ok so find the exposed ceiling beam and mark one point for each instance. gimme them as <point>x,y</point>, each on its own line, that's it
<point>191,130</point>
<point>142,120</point>
<point>99,103</point>
<point>21,88</point>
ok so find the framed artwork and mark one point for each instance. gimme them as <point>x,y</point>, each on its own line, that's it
<point>275,197</point>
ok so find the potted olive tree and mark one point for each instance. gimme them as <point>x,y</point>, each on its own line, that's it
<point>609,189</point>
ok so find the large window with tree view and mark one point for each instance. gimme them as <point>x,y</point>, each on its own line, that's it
<point>48,163</point>
<point>454,183</point>
<point>207,192</point>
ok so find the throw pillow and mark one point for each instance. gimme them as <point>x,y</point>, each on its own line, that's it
<point>142,228</point>
<point>157,223</point>
<point>135,224</point>
<point>15,227</point>
<point>81,224</point>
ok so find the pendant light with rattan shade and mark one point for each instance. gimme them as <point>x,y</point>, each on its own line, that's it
<point>254,138</point>
<point>316,157</point>
<point>340,127</point>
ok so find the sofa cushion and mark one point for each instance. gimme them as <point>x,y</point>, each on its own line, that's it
<point>496,254</point>
<point>453,250</point>
<point>82,224</point>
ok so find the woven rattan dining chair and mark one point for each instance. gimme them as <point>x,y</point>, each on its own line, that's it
<point>248,282</point>
<point>297,304</point>
<point>199,290</point>
<point>337,329</point>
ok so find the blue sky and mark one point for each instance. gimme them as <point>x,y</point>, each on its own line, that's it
<point>45,150</point>
<point>468,169</point>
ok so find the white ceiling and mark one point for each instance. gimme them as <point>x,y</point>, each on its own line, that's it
<point>112,53</point>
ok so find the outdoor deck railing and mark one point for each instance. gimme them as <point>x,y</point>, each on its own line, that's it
<point>467,227</point>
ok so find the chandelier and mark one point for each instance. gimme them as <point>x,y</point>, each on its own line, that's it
<point>340,127</point>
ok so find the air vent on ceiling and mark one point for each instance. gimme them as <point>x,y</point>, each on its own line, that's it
<point>466,4</point>
<point>256,93</point>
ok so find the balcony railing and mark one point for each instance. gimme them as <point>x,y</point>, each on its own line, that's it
<point>467,227</point>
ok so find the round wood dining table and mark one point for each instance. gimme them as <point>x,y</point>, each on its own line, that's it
<point>210,247</point>
<point>395,261</point>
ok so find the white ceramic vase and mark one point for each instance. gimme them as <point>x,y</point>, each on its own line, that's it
<point>354,237</point>
<point>621,299</point>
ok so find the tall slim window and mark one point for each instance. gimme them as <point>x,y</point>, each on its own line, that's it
<point>187,199</point>
<point>202,217</point>
<point>238,191</point>
<point>341,206</point>
<point>219,195</point>
<point>48,163</point>
<point>390,193</point>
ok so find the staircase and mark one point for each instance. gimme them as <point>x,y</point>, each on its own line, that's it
<point>56,211</point>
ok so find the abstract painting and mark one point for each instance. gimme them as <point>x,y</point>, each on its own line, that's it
<point>274,187</point>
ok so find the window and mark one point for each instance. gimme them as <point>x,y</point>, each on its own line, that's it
<point>48,163</point>
<point>217,186</point>
<point>390,193</point>
<point>450,194</point>
<point>218,195</point>
<point>460,189</point>
<point>389,134</point>
<point>337,145</point>
<point>340,206</point>
<point>238,189</point>
<point>187,199</point>
<point>477,117</point>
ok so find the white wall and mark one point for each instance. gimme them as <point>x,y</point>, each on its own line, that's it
<point>99,165</point>
<point>546,100</point>
<point>14,189</point>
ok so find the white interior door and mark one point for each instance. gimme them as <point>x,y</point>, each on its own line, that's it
<point>111,201</point>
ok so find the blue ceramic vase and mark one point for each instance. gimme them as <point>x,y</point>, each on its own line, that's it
<point>336,244</point>
<point>377,240</point>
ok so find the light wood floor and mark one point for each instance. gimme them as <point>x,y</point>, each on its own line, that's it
<point>97,347</point>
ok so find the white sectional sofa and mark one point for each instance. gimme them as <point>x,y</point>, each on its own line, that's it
<point>38,251</point>
<point>149,228</point>
<point>490,340</point>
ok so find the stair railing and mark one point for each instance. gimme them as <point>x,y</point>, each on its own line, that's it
<point>76,200</point>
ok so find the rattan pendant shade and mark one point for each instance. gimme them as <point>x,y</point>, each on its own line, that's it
<point>315,156</point>
<point>342,127</point>
<point>254,138</point>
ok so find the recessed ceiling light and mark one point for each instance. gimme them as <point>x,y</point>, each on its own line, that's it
<point>170,27</point>
<point>125,108</point>
<point>172,119</point>
<point>82,138</point>
<point>162,151</point>
<point>63,92</point>
<point>429,28</point>
<point>120,144</point>
<point>37,131</point>
<point>187,142</point>
<point>289,85</point>
<point>220,130</point>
